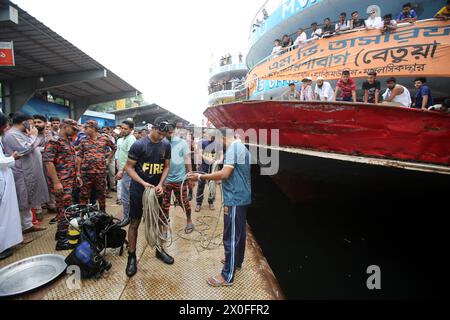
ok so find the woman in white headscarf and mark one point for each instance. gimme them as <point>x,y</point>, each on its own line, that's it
<point>374,21</point>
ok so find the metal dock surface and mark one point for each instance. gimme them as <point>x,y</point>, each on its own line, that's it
<point>185,280</point>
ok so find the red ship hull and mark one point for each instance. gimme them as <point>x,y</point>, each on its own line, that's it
<point>347,128</point>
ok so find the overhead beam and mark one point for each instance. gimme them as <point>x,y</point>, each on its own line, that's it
<point>21,90</point>
<point>59,80</point>
<point>9,15</point>
<point>111,97</point>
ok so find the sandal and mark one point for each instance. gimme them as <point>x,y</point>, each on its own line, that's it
<point>215,282</point>
<point>189,228</point>
<point>34,228</point>
<point>198,208</point>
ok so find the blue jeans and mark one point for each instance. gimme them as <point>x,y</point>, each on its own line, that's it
<point>125,195</point>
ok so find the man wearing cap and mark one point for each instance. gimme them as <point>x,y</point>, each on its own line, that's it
<point>291,94</point>
<point>323,90</point>
<point>60,160</point>
<point>396,95</point>
<point>148,166</point>
<point>306,94</point>
<point>92,163</point>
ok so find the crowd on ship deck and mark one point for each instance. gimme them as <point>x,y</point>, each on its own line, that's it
<point>387,23</point>
<point>345,89</point>
<point>395,94</point>
<point>228,59</point>
<point>231,84</point>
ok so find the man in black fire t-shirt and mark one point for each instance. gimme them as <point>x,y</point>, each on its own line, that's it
<point>148,166</point>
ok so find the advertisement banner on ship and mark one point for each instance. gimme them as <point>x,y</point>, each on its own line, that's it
<point>421,49</point>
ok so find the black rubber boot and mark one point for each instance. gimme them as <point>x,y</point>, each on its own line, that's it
<point>164,257</point>
<point>61,235</point>
<point>62,244</point>
<point>131,265</point>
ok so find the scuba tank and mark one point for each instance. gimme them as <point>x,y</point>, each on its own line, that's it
<point>73,235</point>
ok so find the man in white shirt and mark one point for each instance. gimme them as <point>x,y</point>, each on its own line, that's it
<point>277,48</point>
<point>316,31</point>
<point>306,94</point>
<point>342,24</point>
<point>396,95</point>
<point>301,37</point>
<point>323,90</point>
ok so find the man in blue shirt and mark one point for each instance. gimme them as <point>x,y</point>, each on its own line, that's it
<point>424,100</point>
<point>236,183</point>
<point>180,163</point>
<point>407,14</point>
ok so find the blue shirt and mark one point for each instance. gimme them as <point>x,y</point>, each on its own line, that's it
<point>237,190</point>
<point>423,91</point>
<point>177,170</point>
<point>411,15</point>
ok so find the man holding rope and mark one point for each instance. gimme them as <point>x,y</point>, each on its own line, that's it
<point>148,166</point>
<point>237,197</point>
<point>180,163</point>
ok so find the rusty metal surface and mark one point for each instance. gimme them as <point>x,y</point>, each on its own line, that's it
<point>356,129</point>
<point>185,280</point>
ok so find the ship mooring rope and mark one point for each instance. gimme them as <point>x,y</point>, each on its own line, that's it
<point>155,225</point>
<point>206,239</point>
<point>157,229</point>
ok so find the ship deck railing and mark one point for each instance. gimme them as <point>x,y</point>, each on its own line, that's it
<point>337,34</point>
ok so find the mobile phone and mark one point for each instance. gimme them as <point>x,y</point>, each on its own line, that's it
<point>26,124</point>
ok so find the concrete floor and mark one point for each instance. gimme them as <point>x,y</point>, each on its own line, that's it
<point>185,280</point>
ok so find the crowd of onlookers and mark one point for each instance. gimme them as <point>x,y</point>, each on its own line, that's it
<point>49,165</point>
<point>395,94</point>
<point>55,164</point>
<point>387,23</point>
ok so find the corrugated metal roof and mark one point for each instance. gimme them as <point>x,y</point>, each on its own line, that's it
<point>39,51</point>
<point>149,113</point>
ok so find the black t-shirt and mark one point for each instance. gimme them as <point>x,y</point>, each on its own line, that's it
<point>209,149</point>
<point>330,29</point>
<point>371,88</point>
<point>359,23</point>
<point>150,159</point>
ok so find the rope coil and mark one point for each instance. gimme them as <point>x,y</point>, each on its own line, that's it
<point>157,229</point>
<point>155,226</point>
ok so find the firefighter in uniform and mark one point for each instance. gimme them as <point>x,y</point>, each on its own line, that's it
<point>60,158</point>
<point>92,163</point>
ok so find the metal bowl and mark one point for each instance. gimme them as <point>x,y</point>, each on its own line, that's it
<point>30,273</point>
